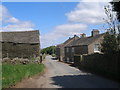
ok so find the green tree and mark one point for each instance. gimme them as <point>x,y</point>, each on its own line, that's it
<point>116,7</point>
<point>49,50</point>
<point>111,42</point>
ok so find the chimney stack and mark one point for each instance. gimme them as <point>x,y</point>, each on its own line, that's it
<point>75,37</point>
<point>95,32</point>
<point>83,35</point>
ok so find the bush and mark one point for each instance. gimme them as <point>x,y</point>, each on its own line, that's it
<point>110,44</point>
<point>53,55</point>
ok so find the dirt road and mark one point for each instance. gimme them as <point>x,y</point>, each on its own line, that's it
<point>60,75</point>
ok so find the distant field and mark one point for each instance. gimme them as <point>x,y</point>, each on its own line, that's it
<point>15,73</point>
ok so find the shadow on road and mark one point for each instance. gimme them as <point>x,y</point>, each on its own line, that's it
<point>54,58</point>
<point>72,65</point>
<point>83,81</point>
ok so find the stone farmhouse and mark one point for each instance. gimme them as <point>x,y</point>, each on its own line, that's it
<point>60,52</point>
<point>21,44</point>
<point>83,45</point>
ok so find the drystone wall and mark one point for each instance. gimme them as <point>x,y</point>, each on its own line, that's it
<point>20,50</point>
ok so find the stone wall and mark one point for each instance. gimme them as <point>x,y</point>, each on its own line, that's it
<point>75,50</point>
<point>58,53</point>
<point>91,46</point>
<point>0,51</point>
<point>68,54</point>
<point>12,50</point>
<point>106,65</point>
<point>62,54</point>
<point>78,50</point>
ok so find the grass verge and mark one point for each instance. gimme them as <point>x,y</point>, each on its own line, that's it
<point>11,74</point>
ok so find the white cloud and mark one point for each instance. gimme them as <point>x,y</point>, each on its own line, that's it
<point>22,26</point>
<point>88,13</point>
<point>4,13</point>
<point>12,20</point>
<point>10,23</point>
<point>85,13</point>
<point>62,31</point>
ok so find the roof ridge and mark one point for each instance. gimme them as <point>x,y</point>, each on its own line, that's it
<point>19,31</point>
<point>21,37</point>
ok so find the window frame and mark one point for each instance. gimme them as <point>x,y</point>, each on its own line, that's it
<point>73,49</point>
<point>67,49</point>
<point>96,48</point>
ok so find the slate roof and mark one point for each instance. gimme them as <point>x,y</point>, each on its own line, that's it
<point>67,42</point>
<point>59,45</point>
<point>85,40</point>
<point>21,37</point>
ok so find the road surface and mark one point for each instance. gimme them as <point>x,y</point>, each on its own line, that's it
<point>61,75</point>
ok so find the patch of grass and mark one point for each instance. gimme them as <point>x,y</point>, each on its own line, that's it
<point>15,73</point>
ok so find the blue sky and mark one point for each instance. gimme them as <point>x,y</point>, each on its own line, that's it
<point>57,21</point>
<point>45,15</point>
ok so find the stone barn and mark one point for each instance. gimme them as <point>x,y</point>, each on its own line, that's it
<point>21,44</point>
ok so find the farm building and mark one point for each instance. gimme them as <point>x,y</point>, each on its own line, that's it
<point>60,52</point>
<point>21,44</point>
<point>84,45</point>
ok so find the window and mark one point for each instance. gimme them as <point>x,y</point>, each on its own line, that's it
<point>72,49</point>
<point>72,59</point>
<point>67,59</point>
<point>96,48</point>
<point>67,49</point>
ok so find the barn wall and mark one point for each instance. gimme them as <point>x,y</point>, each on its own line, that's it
<point>13,50</point>
<point>0,51</point>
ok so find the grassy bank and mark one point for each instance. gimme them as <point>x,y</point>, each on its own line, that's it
<point>15,73</point>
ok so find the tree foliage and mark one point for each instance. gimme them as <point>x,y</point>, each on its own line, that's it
<point>111,42</point>
<point>49,50</point>
<point>116,7</point>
